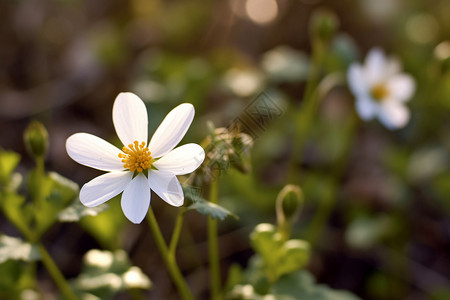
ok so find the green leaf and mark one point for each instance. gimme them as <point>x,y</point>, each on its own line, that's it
<point>8,162</point>
<point>365,232</point>
<point>211,209</point>
<point>205,207</point>
<point>293,255</point>
<point>12,206</point>
<point>17,277</point>
<point>301,285</point>
<point>76,211</point>
<point>51,194</point>
<point>108,225</point>
<point>105,273</point>
<point>16,249</point>
<point>279,256</point>
<point>267,242</point>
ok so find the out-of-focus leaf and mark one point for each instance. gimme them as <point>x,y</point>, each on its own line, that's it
<point>54,193</point>
<point>12,206</point>
<point>294,255</point>
<point>426,163</point>
<point>235,276</point>
<point>16,249</point>
<point>105,273</point>
<point>266,241</point>
<point>365,232</point>
<point>108,225</point>
<point>14,280</point>
<point>280,257</point>
<point>293,286</point>
<point>8,162</point>
<point>77,210</point>
<point>301,285</point>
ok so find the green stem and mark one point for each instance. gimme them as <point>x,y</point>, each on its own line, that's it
<point>56,274</point>
<point>169,260</point>
<point>308,109</point>
<point>213,245</point>
<point>176,232</point>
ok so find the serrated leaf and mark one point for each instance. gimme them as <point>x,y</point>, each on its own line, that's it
<point>210,209</point>
<point>16,249</point>
<point>76,211</point>
<point>203,206</point>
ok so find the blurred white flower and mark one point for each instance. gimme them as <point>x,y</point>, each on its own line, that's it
<point>139,166</point>
<point>381,90</point>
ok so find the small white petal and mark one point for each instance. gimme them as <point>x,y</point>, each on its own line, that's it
<point>401,87</point>
<point>182,160</point>
<point>172,130</point>
<point>375,66</point>
<point>166,185</point>
<point>366,108</point>
<point>393,66</point>
<point>130,118</point>
<point>136,199</point>
<point>356,80</point>
<point>393,114</point>
<point>94,152</point>
<point>104,187</point>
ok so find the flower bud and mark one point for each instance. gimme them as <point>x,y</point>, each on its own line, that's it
<point>323,24</point>
<point>288,205</point>
<point>36,139</point>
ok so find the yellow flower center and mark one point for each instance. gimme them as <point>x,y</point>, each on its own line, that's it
<point>379,92</point>
<point>136,157</point>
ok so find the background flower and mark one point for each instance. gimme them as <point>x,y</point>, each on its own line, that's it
<point>381,90</point>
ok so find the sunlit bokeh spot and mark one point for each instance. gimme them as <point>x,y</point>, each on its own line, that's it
<point>422,28</point>
<point>261,11</point>
<point>136,279</point>
<point>243,82</point>
<point>442,51</point>
<point>101,259</point>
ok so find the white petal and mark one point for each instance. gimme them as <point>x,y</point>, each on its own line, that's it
<point>104,187</point>
<point>166,185</point>
<point>401,87</point>
<point>393,66</point>
<point>172,130</point>
<point>356,80</point>
<point>94,152</point>
<point>366,108</point>
<point>182,160</point>
<point>130,118</point>
<point>136,199</point>
<point>375,66</point>
<point>393,114</point>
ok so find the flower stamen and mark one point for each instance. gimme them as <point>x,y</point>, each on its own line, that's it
<point>136,157</point>
<point>379,92</point>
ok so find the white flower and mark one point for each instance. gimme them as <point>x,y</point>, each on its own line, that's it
<point>381,90</point>
<point>139,166</point>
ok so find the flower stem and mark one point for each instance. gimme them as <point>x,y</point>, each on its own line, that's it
<point>310,103</point>
<point>176,232</point>
<point>169,260</point>
<point>56,274</point>
<point>213,245</point>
